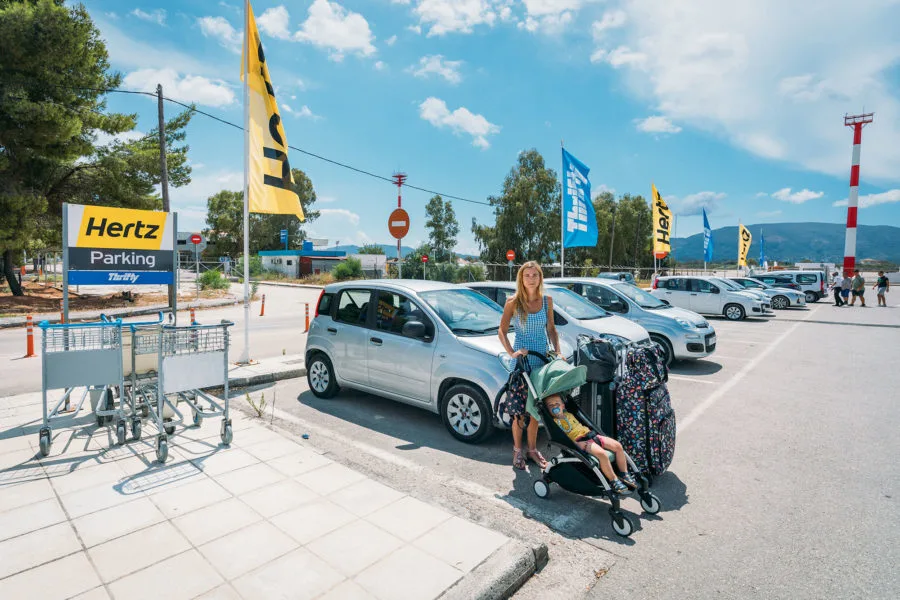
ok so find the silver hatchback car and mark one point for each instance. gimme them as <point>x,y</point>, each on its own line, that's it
<point>425,343</point>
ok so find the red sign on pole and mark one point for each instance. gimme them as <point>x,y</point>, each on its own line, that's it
<point>196,239</point>
<point>424,258</point>
<point>398,223</point>
<point>510,255</point>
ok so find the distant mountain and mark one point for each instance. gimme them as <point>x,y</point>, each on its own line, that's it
<point>791,242</point>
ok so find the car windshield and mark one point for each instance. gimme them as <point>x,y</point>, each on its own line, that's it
<point>728,285</point>
<point>754,285</point>
<point>465,311</point>
<point>575,305</point>
<point>642,298</point>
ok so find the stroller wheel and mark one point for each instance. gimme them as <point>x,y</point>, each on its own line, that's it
<point>541,488</point>
<point>650,504</point>
<point>622,525</point>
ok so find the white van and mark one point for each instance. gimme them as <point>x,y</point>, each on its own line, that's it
<point>814,284</point>
<point>702,295</point>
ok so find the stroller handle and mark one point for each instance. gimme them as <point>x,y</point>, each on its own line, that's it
<point>524,365</point>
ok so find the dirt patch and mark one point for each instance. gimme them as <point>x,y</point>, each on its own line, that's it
<point>41,298</point>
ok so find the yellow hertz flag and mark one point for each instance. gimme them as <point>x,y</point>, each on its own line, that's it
<point>744,239</point>
<point>662,226</point>
<point>270,172</point>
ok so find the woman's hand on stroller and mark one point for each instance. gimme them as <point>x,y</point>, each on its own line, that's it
<point>519,353</point>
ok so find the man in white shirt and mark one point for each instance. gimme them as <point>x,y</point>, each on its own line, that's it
<point>836,288</point>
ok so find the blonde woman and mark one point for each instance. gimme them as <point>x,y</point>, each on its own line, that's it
<point>530,312</point>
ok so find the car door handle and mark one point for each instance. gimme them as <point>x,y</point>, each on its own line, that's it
<point>332,330</point>
<point>376,341</point>
<point>693,294</point>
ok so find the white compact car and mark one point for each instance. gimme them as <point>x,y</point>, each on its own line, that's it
<point>703,296</point>
<point>781,297</point>
<point>758,294</point>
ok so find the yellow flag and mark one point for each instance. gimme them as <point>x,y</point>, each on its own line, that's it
<point>269,173</point>
<point>744,239</point>
<point>662,226</point>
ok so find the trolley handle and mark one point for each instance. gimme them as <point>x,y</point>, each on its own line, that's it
<point>224,323</point>
<point>48,325</point>
<point>105,319</point>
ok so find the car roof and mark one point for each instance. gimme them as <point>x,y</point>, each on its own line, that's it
<point>506,285</point>
<point>600,280</point>
<point>400,285</point>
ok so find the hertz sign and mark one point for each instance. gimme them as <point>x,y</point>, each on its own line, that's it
<point>119,246</point>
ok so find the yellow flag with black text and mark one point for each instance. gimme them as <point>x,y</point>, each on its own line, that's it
<point>269,171</point>
<point>662,226</point>
<point>744,239</point>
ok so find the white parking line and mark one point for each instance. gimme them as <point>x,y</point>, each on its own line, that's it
<point>726,387</point>
<point>692,379</point>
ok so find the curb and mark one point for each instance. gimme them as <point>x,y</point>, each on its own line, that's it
<point>263,378</point>
<point>501,575</point>
<point>131,313</point>
<point>294,285</point>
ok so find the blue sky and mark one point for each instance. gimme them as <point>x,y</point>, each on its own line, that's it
<point>735,106</point>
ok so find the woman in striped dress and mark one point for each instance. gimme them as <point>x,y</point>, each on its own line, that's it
<point>528,311</point>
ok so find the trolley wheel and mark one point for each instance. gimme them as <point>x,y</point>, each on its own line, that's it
<point>170,429</point>
<point>198,420</point>
<point>120,432</point>
<point>541,488</point>
<point>227,433</point>
<point>45,442</point>
<point>101,421</point>
<point>145,411</point>
<point>162,450</point>
<point>136,429</point>
<point>622,525</point>
<point>650,504</point>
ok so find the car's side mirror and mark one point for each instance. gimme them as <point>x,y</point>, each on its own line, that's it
<point>414,329</point>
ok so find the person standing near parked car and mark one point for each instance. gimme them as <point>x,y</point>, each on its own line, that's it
<point>836,288</point>
<point>882,285</point>
<point>530,312</point>
<point>858,289</point>
<point>845,288</point>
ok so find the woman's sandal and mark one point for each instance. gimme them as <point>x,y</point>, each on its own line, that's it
<point>536,457</point>
<point>519,459</point>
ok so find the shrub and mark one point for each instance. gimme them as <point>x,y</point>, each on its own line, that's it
<point>348,269</point>
<point>470,273</point>
<point>256,266</point>
<point>446,272</point>
<point>213,280</point>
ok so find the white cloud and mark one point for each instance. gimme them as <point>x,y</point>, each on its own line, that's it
<point>612,19</point>
<point>455,16</point>
<point>158,16</point>
<point>127,53</point>
<point>104,139</point>
<point>417,29</point>
<point>333,27</point>
<point>391,40</point>
<point>870,200</point>
<point>798,197</point>
<point>770,213</point>
<point>275,22</point>
<point>338,226</point>
<point>734,70</point>
<point>111,15</point>
<point>380,66</point>
<point>185,88</point>
<point>656,124</point>
<point>460,121</point>
<point>602,188</point>
<point>549,16</point>
<point>190,201</point>
<point>435,64</point>
<point>343,214</point>
<point>221,30</point>
<point>693,204</point>
<point>303,112</point>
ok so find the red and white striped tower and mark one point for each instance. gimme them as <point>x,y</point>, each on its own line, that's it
<point>857,122</point>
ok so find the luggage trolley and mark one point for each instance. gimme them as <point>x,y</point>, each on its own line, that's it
<point>190,359</point>
<point>82,354</point>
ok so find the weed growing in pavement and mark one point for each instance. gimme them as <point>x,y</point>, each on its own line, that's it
<point>258,407</point>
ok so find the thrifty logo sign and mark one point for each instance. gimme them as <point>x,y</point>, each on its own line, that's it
<point>118,228</point>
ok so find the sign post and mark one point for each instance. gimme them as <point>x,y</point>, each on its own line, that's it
<point>195,240</point>
<point>510,256</point>
<point>398,226</point>
<point>424,266</point>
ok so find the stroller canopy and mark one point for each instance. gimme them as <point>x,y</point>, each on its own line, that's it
<point>556,377</point>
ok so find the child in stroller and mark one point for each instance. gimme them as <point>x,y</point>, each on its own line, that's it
<point>576,468</point>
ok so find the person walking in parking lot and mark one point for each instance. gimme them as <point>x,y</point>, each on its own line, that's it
<point>858,289</point>
<point>845,288</point>
<point>882,285</point>
<point>836,288</point>
<point>530,312</point>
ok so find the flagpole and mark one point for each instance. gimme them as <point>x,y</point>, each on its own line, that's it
<point>562,219</point>
<point>245,355</point>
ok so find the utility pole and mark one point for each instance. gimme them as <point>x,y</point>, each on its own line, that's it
<point>164,175</point>
<point>612,238</point>
<point>857,122</point>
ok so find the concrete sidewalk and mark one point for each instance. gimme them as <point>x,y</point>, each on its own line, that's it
<point>122,313</point>
<point>266,517</point>
<point>267,370</point>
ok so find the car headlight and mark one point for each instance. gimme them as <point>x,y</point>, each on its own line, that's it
<point>684,323</point>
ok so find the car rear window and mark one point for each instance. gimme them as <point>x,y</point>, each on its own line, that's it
<point>325,304</point>
<point>353,307</point>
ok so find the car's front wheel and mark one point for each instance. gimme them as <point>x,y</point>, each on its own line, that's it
<point>665,346</point>
<point>466,413</point>
<point>734,312</point>
<point>320,376</point>
<point>780,302</point>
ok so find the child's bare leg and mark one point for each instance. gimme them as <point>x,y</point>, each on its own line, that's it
<point>605,465</point>
<point>616,448</point>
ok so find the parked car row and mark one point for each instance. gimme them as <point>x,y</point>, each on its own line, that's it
<point>436,345</point>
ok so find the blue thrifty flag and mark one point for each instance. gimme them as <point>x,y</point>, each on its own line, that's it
<point>579,222</point>
<point>707,239</point>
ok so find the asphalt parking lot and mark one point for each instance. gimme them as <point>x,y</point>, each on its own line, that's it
<point>784,484</point>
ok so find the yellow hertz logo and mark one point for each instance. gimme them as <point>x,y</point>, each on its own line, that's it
<point>104,227</point>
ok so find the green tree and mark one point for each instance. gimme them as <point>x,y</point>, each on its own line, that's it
<point>53,70</point>
<point>370,249</point>
<point>442,228</point>
<point>526,214</point>
<point>225,221</point>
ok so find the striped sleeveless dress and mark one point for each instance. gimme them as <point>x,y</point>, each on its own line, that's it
<point>532,336</point>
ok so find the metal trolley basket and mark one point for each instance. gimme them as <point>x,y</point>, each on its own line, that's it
<point>75,355</point>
